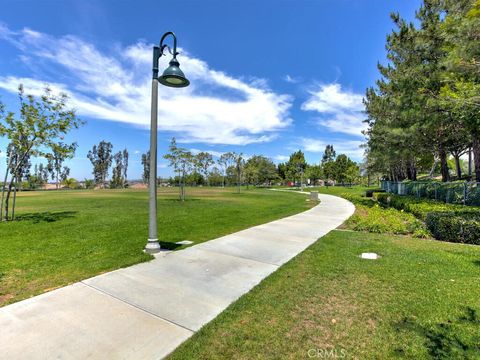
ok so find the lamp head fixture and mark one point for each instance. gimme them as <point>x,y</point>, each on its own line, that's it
<point>172,76</point>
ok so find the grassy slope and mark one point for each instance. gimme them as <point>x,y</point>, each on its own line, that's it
<point>418,301</point>
<point>68,236</point>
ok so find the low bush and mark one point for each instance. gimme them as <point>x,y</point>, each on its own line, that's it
<point>371,217</point>
<point>377,219</point>
<point>418,207</point>
<point>447,222</point>
<point>369,192</point>
<point>461,227</point>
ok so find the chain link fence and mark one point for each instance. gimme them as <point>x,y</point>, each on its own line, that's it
<point>466,193</point>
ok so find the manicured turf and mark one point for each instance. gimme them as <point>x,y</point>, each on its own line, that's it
<point>418,301</point>
<point>65,236</point>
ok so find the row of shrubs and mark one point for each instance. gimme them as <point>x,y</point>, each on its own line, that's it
<point>371,217</point>
<point>446,222</point>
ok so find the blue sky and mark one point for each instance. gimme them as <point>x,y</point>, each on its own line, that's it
<point>267,77</point>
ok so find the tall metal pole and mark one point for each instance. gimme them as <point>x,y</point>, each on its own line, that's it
<point>153,246</point>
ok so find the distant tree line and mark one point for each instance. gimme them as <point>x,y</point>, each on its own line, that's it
<point>235,169</point>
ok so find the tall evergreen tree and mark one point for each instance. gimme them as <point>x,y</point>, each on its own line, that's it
<point>146,167</point>
<point>329,154</point>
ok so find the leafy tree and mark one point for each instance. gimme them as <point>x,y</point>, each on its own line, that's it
<point>260,170</point>
<point>329,170</point>
<point>409,120</point>
<point>40,126</point>
<point>70,183</point>
<point>352,174</point>
<point>125,166</point>
<point>239,164</point>
<point>182,163</point>
<point>60,152</point>
<point>225,161</point>
<point>146,167</point>
<point>296,166</point>
<point>89,183</point>
<point>42,173</point>
<point>204,160</point>
<point>64,174</point>
<point>329,154</point>
<point>460,92</point>
<point>216,177</point>
<point>282,171</point>
<point>19,169</point>
<point>345,170</point>
<point>38,178</point>
<point>101,158</point>
<point>314,173</point>
<point>118,172</point>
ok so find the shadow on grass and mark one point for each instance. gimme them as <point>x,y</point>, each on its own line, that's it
<point>169,245</point>
<point>476,262</point>
<point>176,200</point>
<point>452,339</point>
<point>45,216</point>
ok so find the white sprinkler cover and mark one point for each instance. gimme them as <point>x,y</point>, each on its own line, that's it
<point>371,256</point>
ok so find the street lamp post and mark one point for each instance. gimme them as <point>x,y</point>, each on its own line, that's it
<point>171,77</point>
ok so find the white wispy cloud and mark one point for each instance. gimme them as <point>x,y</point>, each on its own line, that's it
<point>281,158</point>
<point>339,110</point>
<point>215,109</point>
<point>349,147</point>
<point>292,79</point>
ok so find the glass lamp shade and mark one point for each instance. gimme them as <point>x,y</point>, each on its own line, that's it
<point>173,76</point>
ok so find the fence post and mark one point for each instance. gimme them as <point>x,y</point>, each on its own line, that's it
<point>465,193</point>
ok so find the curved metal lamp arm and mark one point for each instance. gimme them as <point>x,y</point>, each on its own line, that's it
<point>162,46</point>
<point>158,51</point>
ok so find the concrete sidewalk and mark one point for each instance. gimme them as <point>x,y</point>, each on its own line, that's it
<point>147,310</point>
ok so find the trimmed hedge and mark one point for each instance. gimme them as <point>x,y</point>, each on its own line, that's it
<point>418,207</point>
<point>460,227</point>
<point>447,222</point>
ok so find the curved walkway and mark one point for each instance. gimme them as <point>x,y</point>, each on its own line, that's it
<point>145,311</point>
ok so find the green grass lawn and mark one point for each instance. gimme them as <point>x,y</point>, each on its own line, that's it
<point>420,300</point>
<point>65,236</point>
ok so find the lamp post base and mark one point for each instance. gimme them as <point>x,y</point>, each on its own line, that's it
<point>153,246</point>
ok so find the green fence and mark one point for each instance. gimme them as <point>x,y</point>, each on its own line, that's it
<point>466,193</point>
